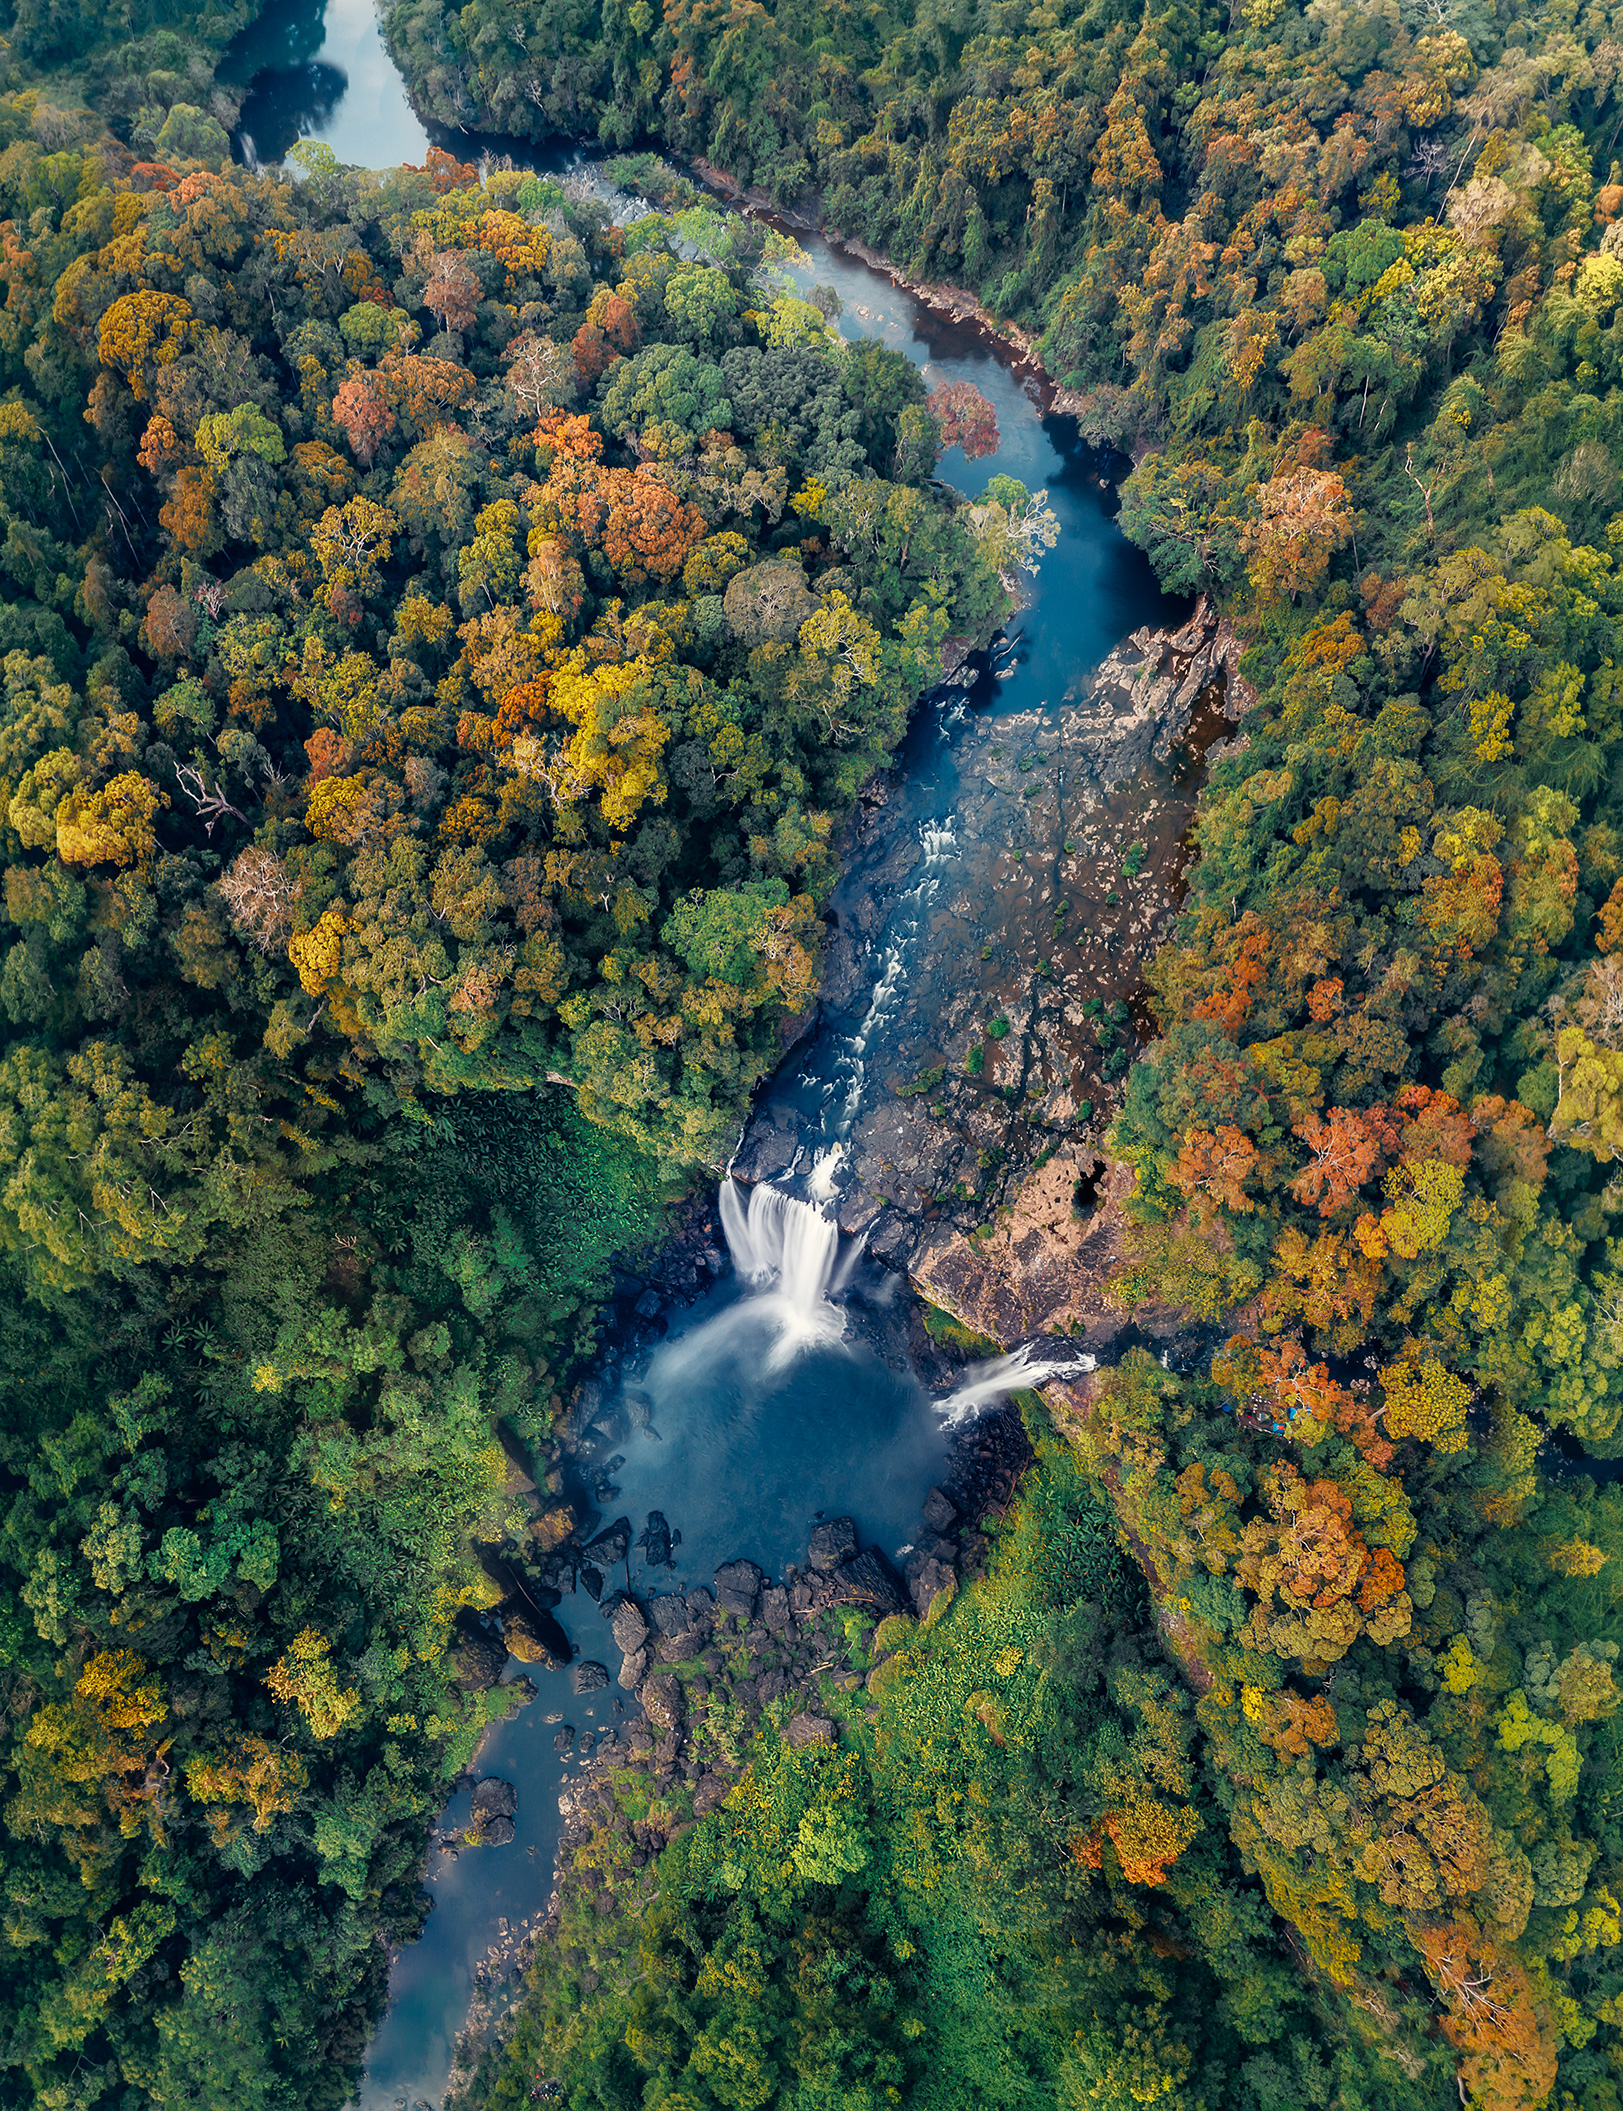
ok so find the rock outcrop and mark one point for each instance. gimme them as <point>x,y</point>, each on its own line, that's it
<point>990,1068</point>
<point>738,1588</point>
<point>495,1805</point>
<point>1137,704</point>
<point>832,1542</point>
<point>628,1624</point>
<point>478,1653</point>
<point>1040,1267</point>
<point>535,1639</point>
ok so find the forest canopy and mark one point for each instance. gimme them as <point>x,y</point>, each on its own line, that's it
<point>443,635</point>
<point>441,640</point>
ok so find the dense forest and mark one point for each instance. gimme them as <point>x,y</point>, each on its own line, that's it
<point>443,633</point>
<point>1348,282</point>
<point>442,637</point>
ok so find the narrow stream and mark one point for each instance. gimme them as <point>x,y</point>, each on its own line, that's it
<point>766,1405</point>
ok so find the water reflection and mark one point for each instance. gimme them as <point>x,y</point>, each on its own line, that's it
<point>322,73</point>
<point>431,1982</point>
<point>743,1447</point>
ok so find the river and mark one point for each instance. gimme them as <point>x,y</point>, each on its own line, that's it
<point>740,1448</point>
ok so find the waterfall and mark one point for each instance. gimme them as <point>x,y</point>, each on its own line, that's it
<point>776,1236</point>
<point>789,1255</point>
<point>1021,1369</point>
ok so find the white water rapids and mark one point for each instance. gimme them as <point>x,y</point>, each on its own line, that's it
<point>1020,1370</point>
<point>789,1253</point>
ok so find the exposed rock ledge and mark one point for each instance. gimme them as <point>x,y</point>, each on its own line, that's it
<point>989,1186</point>
<point>1140,700</point>
<point>1040,1267</point>
<point>1041,1264</point>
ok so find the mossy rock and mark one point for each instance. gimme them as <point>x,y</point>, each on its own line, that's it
<point>554,1527</point>
<point>894,1632</point>
<point>986,1709</point>
<point>943,1327</point>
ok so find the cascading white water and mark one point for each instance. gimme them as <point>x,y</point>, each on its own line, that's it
<point>789,1253</point>
<point>774,1235</point>
<point>1008,1374</point>
<point>939,842</point>
<point>824,1173</point>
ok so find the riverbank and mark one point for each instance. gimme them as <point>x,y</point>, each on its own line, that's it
<point>800,1659</point>
<point>957,303</point>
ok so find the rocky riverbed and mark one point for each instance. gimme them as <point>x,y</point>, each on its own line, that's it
<point>973,1158</point>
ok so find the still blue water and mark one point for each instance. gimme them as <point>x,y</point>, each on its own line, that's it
<point>321,72</point>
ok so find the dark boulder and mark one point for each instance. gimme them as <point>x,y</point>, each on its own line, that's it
<point>495,1804</point>
<point>939,1513</point>
<point>591,1580</point>
<point>556,1574</point>
<point>669,1613</point>
<point>563,1737</point>
<point>628,1626</point>
<point>590,1677</point>
<point>633,1670</point>
<point>869,1581</point>
<point>926,1575</point>
<point>655,1541</point>
<point>683,1623</point>
<point>494,1798</point>
<point>775,1608</point>
<point>738,1588</point>
<point>478,1654</point>
<point>611,1545</point>
<point>809,1730</point>
<point>833,1541</point>
<point>611,1425</point>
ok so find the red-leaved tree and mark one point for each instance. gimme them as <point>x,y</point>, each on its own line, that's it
<point>966,419</point>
